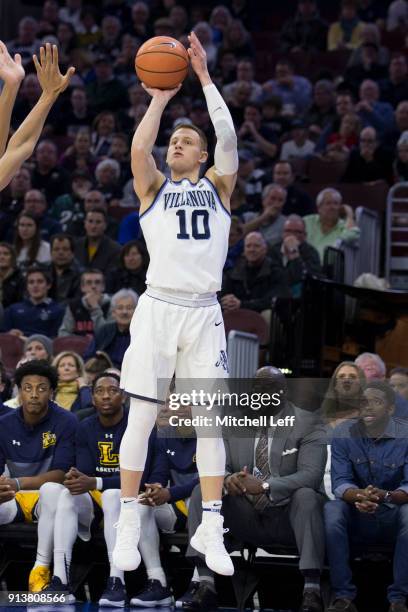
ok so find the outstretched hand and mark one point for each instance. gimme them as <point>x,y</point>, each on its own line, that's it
<point>198,56</point>
<point>11,70</point>
<point>51,80</point>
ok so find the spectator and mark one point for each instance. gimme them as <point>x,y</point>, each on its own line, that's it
<point>295,91</point>
<point>368,68</point>
<point>66,36</point>
<point>340,143</point>
<point>47,176</point>
<point>400,165</point>
<point>399,381</point>
<point>297,201</point>
<point>104,126</point>
<point>248,284</point>
<point>344,395</point>
<point>36,205</point>
<point>328,226</point>
<point>77,115</point>
<point>29,247</point>
<point>273,118</point>
<point>255,136</point>
<point>345,33</point>
<point>299,146</point>
<point>49,18</point>
<point>360,491</point>
<point>239,98</point>
<point>71,13</point>
<point>38,347</point>
<point>26,43</point>
<point>344,105</point>
<point>5,389</point>
<point>34,477</point>
<point>88,32</point>
<point>273,493</point>
<point>140,27</point>
<point>68,209</point>
<point>119,151</point>
<point>370,33</point>
<point>220,21</point>
<point>87,313</point>
<point>12,200</point>
<point>30,93</point>
<point>237,39</point>
<point>374,369</point>
<point>250,178</point>
<point>369,162</point>
<point>235,242</point>
<point>72,392</point>
<point>271,221</point>
<point>36,314</point>
<point>79,156</point>
<point>397,15</point>
<point>245,73</point>
<point>97,365</point>
<point>394,89</point>
<point>96,248</point>
<point>322,111</point>
<point>292,260</point>
<point>179,20</point>
<point>106,91</point>
<point>109,43</point>
<point>113,338</point>
<point>108,174</point>
<point>64,269</point>
<point>372,112</point>
<point>11,280</point>
<point>306,32</point>
<point>131,272</point>
<point>92,198</point>
<point>390,140</point>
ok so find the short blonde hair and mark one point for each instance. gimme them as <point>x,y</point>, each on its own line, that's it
<point>79,362</point>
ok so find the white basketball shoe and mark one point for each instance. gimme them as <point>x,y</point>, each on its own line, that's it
<point>209,541</point>
<point>125,555</point>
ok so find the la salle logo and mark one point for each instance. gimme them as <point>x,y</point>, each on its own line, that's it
<point>48,439</point>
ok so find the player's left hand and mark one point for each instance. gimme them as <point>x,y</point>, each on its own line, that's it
<point>198,56</point>
<point>156,494</point>
<point>76,482</point>
<point>11,70</point>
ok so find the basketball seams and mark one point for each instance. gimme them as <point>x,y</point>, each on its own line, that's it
<point>159,66</point>
<point>163,53</point>
<point>160,71</point>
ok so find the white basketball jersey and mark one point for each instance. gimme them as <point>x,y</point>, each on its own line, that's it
<point>186,231</point>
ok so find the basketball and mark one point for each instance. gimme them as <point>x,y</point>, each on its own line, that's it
<point>162,62</point>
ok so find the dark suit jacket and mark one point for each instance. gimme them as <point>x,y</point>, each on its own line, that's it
<point>297,456</point>
<point>106,256</point>
<point>285,278</point>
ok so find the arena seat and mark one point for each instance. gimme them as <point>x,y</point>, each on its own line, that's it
<point>11,351</point>
<point>249,321</point>
<point>78,344</point>
<point>119,212</point>
<point>331,170</point>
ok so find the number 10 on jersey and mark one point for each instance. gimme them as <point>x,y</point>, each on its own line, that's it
<point>200,229</point>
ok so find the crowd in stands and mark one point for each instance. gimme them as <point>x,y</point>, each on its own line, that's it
<point>73,264</point>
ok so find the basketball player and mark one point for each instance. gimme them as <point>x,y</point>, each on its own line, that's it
<point>178,325</point>
<point>23,141</point>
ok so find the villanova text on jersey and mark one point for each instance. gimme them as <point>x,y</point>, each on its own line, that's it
<point>196,199</point>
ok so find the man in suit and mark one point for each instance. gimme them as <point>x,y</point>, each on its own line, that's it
<point>273,491</point>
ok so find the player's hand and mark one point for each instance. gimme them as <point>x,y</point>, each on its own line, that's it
<point>156,494</point>
<point>78,482</point>
<point>162,95</point>
<point>198,56</point>
<point>51,80</point>
<point>11,70</point>
<point>6,490</point>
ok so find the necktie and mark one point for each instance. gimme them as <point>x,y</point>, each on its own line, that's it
<point>262,464</point>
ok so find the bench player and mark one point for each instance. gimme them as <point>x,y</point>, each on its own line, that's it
<point>178,325</point>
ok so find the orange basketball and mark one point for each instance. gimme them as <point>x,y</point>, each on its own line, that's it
<point>162,62</point>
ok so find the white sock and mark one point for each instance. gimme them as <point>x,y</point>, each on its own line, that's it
<point>211,510</point>
<point>48,502</point>
<point>196,577</point>
<point>111,510</point>
<point>128,502</point>
<point>157,573</point>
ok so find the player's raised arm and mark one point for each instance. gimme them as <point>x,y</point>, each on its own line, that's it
<point>22,143</point>
<point>11,73</point>
<point>147,178</point>
<point>225,168</point>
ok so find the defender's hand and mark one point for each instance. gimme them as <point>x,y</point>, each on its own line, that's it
<point>11,70</point>
<point>51,80</point>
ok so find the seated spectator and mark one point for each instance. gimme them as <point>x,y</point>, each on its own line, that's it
<point>113,338</point>
<point>344,105</point>
<point>397,15</point>
<point>369,162</point>
<point>38,347</point>
<point>273,493</point>
<point>29,95</point>
<point>109,43</point>
<point>372,112</point>
<point>37,313</point>
<point>245,73</point>
<point>26,44</point>
<point>86,314</point>
<point>250,178</point>
<point>180,20</point>
<point>340,143</point>
<point>29,247</point>
<point>49,18</point>
<point>66,36</point>
<point>400,166</point>
<point>97,365</point>
<point>220,20</point>
<point>120,152</point>
<point>96,249</point>
<point>237,39</point>
<point>49,432</point>
<point>255,136</point>
<point>374,369</point>
<point>36,205</point>
<point>273,118</point>
<point>72,392</point>
<point>239,98</point>
<point>270,221</point>
<point>238,205</point>
<point>399,381</point>
<point>88,32</point>
<point>299,146</point>
<point>235,242</point>
<point>368,68</point>
<point>11,279</point>
<point>166,508</point>
<point>125,61</point>
<point>359,491</point>
<point>292,259</point>
<point>5,390</point>
<point>47,176</point>
<point>103,128</point>
<point>391,138</point>
<point>328,226</point>
<point>108,174</point>
<point>306,31</point>
<point>91,490</point>
<point>140,27</point>
<point>297,201</point>
<point>12,201</point>
<point>86,200</point>
<point>345,33</point>
<point>79,156</point>
<point>322,111</point>
<point>106,91</point>
<point>64,269</point>
<point>77,115</point>
<point>370,33</point>
<point>295,91</point>
<point>138,105</point>
<point>394,89</point>
<point>248,283</point>
<point>131,271</point>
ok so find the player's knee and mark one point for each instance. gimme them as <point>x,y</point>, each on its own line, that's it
<point>50,492</point>
<point>110,497</point>
<point>66,501</point>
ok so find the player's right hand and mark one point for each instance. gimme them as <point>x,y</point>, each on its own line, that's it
<point>51,80</point>
<point>11,70</point>
<point>162,95</point>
